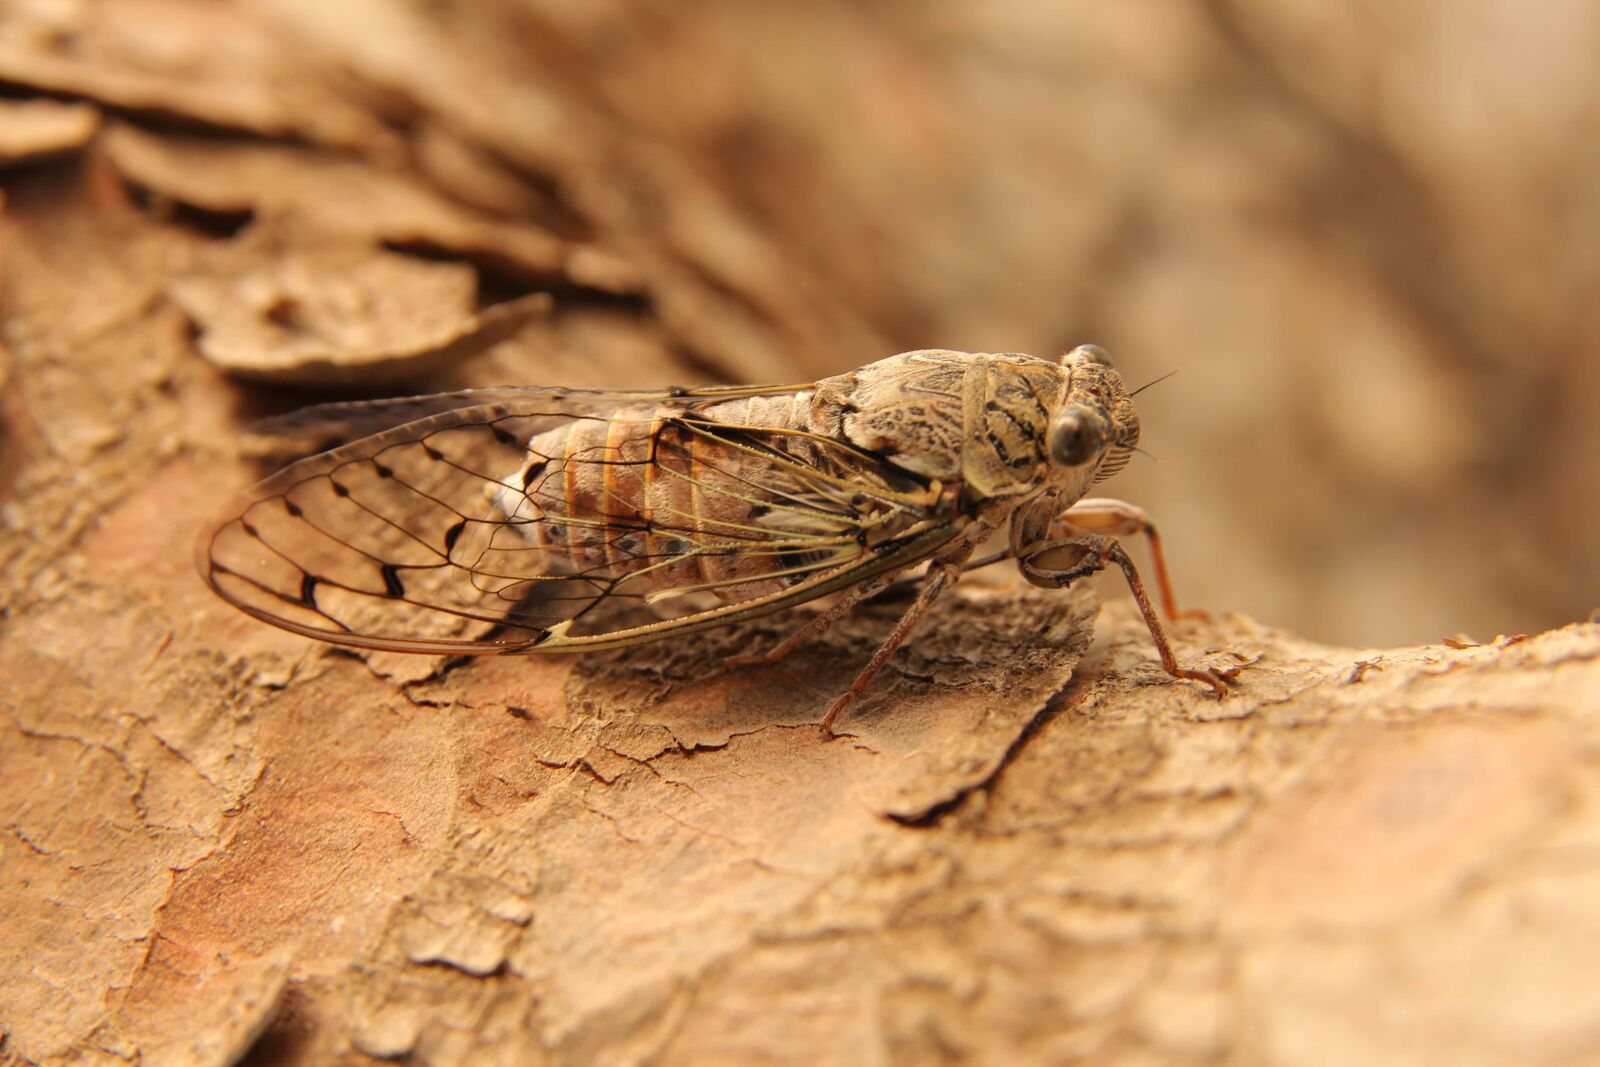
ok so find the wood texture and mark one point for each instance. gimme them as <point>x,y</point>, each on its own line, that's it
<point>1368,247</point>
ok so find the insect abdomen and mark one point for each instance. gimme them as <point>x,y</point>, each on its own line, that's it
<point>647,492</point>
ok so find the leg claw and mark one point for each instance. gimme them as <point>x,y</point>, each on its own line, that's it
<point>1218,680</point>
<point>838,707</point>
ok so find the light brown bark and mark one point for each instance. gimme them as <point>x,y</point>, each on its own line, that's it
<point>219,842</point>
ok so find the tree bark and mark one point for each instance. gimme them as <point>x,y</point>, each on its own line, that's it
<point>222,843</point>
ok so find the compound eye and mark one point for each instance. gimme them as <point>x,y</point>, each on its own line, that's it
<point>1075,438</point>
<point>1092,353</point>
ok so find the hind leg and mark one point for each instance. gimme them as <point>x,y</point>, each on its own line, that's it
<point>850,598</point>
<point>940,577</point>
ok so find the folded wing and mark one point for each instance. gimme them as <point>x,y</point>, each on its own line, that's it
<point>541,520</point>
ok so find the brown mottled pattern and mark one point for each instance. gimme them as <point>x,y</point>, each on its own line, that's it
<point>603,506</point>
<point>573,518</point>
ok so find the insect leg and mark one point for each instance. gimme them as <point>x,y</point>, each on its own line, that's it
<point>1104,517</point>
<point>1087,553</point>
<point>847,600</point>
<point>1217,680</point>
<point>941,575</point>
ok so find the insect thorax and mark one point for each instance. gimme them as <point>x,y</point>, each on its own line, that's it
<point>976,420</point>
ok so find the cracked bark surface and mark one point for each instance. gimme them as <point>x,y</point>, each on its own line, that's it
<point>220,843</point>
<point>1025,857</point>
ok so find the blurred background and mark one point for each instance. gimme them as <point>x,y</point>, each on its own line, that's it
<point>1365,236</point>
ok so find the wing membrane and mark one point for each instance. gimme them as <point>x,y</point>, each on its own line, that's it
<point>323,426</point>
<point>511,521</point>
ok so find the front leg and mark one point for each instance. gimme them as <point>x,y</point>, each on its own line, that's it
<point>1060,562</point>
<point>1106,517</point>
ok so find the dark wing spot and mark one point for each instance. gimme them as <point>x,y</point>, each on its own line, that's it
<point>391,580</point>
<point>431,452</point>
<point>338,490</point>
<point>531,473</point>
<point>383,472</point>
<point>540,636</point>
<point>503,436</point>
<point>452,535</point>
<point>249,529</point>
<point>308,590</point>
<point>292,508</point>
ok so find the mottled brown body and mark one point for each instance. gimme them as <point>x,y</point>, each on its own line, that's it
<point>975,425</point>
<point>584,481</point>
<point>529,520</point>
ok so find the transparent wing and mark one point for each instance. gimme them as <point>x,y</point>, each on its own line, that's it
<point>545,520</point>
<point>322,426</point>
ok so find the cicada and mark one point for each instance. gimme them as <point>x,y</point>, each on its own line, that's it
<point>518,520</point>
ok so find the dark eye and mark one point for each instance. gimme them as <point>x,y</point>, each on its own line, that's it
<point>1093,353</point>
<point>1075,438</point>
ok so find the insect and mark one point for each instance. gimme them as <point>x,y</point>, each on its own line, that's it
<point>549,520</point>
